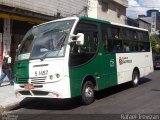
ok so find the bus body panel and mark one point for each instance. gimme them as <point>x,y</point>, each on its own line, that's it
<point>48,76</point>
<point>102,68</point>
<point>55,78</point>
<point>109,70</point>
<point>126,62</point>
<point>79,73</point>
<point>59,90</point>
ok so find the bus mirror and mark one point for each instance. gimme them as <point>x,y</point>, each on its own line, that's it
<point>79,38</point>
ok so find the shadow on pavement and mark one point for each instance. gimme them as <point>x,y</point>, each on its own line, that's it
<point>49,104</point>
<point>144,80</point>
<point>69,104</point>
<point>156,90</point>
<point>119,88</point>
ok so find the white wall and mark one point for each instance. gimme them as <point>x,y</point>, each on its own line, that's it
<point>49,7</point>
<point>92,8</point>
<point>95,10</point>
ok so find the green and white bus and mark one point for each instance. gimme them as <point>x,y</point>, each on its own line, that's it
<point>77,56</point>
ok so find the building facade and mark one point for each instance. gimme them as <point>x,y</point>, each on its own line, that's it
<point>112,10</point>
<point>18,16</point>
<point>132,22</point>
<point>144,24</point>
<point>139,23</point>
<point>153,17</point>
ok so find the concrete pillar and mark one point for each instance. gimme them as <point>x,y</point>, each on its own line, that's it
<point>0,52</point>
<point>7,35</point>
<point>92,8</point>
<point>1,47</point>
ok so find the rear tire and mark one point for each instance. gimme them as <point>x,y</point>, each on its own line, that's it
<point>88,93</point>
<point>135,78</point>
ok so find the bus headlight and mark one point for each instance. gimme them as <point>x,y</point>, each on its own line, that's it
<point>57,75</point>
<point>51,77</point>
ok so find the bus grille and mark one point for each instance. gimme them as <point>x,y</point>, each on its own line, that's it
<point>38,80</point>
<point>22,81</point>
<point>35,93</point>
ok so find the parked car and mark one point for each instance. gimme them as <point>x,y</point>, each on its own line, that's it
<point>156,62</point>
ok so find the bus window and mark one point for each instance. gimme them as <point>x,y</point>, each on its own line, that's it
<point>27,44</point>
<point>126,47</point>
<point>135,35</point>
<point>82,54</point>
<point>117,46</point>
<point>140,36</point>
<point>145,36</point>
<point>117,39</point>
<point>112,39</point>
<point>115,33</point>
<point>109,34</point>
<point>107,38</point>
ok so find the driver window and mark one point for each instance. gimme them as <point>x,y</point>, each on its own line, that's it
<point>81,54</point>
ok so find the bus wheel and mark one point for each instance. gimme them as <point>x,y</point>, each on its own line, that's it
<point>88,93</point>
<point>135,78</point>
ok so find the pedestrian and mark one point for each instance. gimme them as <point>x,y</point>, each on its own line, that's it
<point>126,48</point>
<point>6,70</point>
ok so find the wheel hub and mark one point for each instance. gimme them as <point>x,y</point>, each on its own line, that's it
<point>88,92</point>
<point>136,80</point>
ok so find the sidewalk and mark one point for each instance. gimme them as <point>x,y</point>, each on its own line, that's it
<point>8,99</point>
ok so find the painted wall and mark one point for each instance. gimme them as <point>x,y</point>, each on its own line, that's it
<point>108,10</point>
<point>49,7</point>
<point>145,25</point>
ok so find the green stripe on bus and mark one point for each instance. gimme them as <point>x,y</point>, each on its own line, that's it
<point>104,74</point>
<point>21,72</point>
<point>94,20</point>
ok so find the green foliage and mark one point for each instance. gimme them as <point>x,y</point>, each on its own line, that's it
<point>154,41</point>
<point>155,44</point>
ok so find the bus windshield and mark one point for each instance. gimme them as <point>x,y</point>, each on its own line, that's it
<point>45,41</point>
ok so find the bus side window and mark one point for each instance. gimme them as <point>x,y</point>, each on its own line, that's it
<point>140,36</point>
<point>107,38</point>
<point>117,40</point>
<point>90,42</point>
<point>115,33</point>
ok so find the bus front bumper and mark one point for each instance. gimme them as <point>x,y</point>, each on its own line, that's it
<point>60,89</point>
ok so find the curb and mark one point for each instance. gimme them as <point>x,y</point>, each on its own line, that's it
<point>22,102</point>
<point>9,107</point>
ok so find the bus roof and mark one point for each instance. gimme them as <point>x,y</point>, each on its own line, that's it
<point>137,28</point>
<point>57,20</point>
<point>94,20</point>
<point>112,23</point>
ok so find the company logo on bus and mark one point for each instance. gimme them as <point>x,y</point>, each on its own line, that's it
<point>124,60</point>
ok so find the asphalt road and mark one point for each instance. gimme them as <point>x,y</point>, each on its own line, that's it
<point>115,102</point>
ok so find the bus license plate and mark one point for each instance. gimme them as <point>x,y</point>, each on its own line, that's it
<point>28,86</point>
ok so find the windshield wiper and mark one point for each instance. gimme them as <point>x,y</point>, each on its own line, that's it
<point>59,45</point>
<point>61,42</point>
<point>44,56</point>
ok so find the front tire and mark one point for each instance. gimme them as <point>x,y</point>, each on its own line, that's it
<point>88,93</point>
<point>135,78</point>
